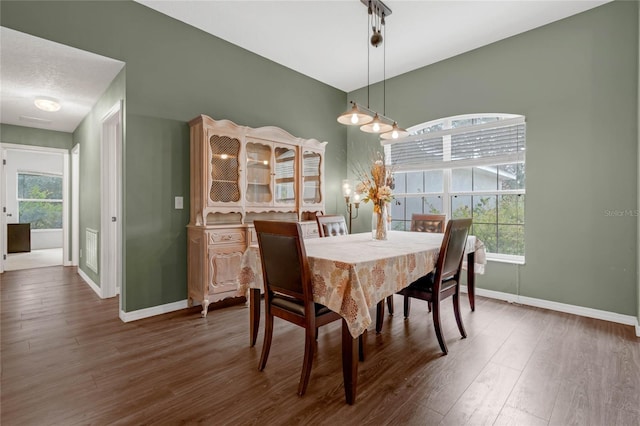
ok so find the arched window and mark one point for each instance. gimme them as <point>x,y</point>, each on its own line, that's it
<point>465,166</point>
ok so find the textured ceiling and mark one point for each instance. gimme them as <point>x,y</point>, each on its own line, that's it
<point>33,67</point>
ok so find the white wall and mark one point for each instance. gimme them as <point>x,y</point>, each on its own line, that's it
<point>30,161</point>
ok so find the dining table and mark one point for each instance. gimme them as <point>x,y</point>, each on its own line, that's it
<point>351,274</point>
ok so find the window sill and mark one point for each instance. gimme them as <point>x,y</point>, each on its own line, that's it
<point>515,260</point>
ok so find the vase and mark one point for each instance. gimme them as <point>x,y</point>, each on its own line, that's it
<point>379,222</point>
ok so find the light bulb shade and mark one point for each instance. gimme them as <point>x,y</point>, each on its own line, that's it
<point>346,188</point>
<point>395,133</point>
<point>376,126</point>
<point>354,116</point>
<point>47,104</point>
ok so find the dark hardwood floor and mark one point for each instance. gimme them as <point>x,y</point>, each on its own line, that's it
<point>68,359</point>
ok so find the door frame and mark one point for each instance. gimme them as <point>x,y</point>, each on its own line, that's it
<point>111,202</point>
<point>75,205</point>
<point>4,147</point>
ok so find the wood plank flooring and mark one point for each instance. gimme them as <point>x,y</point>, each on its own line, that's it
<point>67,359</point>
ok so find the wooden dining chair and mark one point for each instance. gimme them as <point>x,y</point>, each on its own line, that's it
<point>288,292</point>
<point>419,223</point>
<point>444,281</point>
<point>330,225</point>
<point>428,222</point>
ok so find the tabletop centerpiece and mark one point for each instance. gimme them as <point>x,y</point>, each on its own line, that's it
<point>376,185</point>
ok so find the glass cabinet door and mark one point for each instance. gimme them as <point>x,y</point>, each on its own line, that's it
<point>311,182</point>
<point>285,175</point>
<point>224,169</point>
<point>258,173</point>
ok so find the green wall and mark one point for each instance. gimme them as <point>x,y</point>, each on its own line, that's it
<point>35,137</point>
<point>173,73</point>
<point>88,134</point>
<point>153,225</point>
<point>576,82</point>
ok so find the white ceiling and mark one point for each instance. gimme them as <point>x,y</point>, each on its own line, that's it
<point>327,40</point>
<point>33,67</point>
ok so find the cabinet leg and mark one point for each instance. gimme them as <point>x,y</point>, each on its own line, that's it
<point>205,308</point>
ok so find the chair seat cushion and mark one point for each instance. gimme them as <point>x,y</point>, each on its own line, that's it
<point>296,305</point>
<point>425,283</point>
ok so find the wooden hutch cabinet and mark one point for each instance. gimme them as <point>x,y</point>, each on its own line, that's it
<point>240,174</point>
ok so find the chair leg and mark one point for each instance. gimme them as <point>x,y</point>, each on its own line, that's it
<point>456,311</point>
<point>390,304</point>
<point>309,346</point>
<point>436,325</point>
<point>379,316</point>
<point>266,344</point>
<point>407,306</point>
<point>254,315</point>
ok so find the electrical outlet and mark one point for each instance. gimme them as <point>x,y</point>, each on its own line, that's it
<point>179,203</point>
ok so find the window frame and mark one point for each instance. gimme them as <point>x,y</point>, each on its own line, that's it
<point>46,200</point>
<point>448,165</point>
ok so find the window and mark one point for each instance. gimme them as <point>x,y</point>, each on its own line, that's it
<point>465,166</point>
<point>40,200</point>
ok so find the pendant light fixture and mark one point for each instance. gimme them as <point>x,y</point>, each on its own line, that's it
<point>355,116</point>
<point>370,121</point>
<point>395,133</point>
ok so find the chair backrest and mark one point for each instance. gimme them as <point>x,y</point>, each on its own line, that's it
<point>428,222</point>
<point>452,249</point>
<point>285,268</point>
<point>331,225</point>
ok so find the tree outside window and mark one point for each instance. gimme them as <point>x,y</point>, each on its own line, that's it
<point>40,200</point>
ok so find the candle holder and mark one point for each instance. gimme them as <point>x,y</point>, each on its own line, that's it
<point>347,193</point>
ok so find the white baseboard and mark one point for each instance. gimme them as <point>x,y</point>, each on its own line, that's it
<point>560,307</point>
<point>153,311</point>
<point>141,313</point>
<point>89,281</point>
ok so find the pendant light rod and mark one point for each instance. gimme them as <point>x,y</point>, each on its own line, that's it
<point>372,112</point>
<point>371,121</point>
<point>378,7</point>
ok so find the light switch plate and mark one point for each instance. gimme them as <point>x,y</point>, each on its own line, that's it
<point>179,203</point>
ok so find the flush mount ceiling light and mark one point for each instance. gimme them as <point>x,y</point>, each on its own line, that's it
<point>47,104</point>
<point>370,121</point>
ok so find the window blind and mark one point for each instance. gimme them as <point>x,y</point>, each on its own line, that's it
<point>497,142</point>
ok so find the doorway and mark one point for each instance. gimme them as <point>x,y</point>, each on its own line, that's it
<point>35,209</point>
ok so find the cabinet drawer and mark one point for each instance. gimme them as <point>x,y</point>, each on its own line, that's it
<point>231,236</point>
